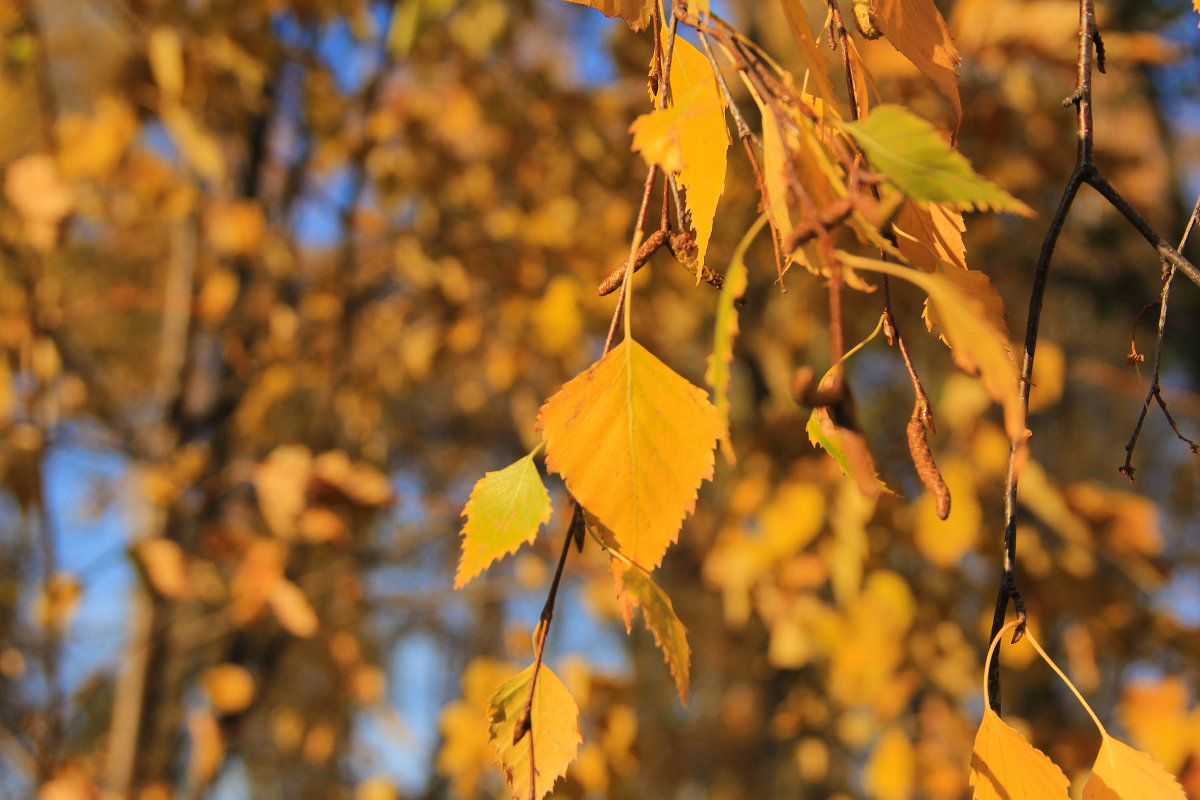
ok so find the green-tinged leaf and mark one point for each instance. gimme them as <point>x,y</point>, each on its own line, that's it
<point>635,12</point>
<point>920,162</point>
<point>505,510</point>
<point>634,588</point>
<point>848,448</point>
<point>703,141</point>
<point>977,343</point>
<point>1122,773</point>
<point>552,727</point>
<point>633,440</point>
<point>725,330</point>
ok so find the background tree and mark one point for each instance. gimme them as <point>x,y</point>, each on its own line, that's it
<point>280,281</point>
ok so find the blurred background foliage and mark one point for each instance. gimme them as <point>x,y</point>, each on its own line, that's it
<point>280,279</point>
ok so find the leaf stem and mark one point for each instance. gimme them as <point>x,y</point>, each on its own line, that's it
<point>1036,646</point>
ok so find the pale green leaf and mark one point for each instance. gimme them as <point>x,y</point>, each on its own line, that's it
<point>921,163</point>
<point>505,510</point>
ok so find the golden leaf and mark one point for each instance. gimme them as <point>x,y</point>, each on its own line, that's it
<point>929,232</point>
<point>552,733</point>
<point>633,440</point>
<point>634,588</point>
<point>916,29</point>
<point>775,165</point>
<point>814,59</point>
<point>1004,766</point>
<point>702,141</point>
<point>1122,773</point>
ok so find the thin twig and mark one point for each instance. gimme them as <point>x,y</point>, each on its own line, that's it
<point>922,421</point>
<point>1081,98</point>
<point>1155,391</point>
<point>525,718</point>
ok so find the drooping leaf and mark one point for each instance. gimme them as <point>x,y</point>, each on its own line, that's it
<point>806,40</point>
<point>505,510</point>
<point>633,440</point>
<point>658,135</point>
<point>703,141</point>
<point>1122,773</point>
<point>1004,766</point>
<point>977,343</point>
<point>920,163</point>
<point>930,232</point>
<point>553,727</point>
<point>725,329</point>
<point>848,448</point>
<point>775,165</point>
<point>916,29</point>
<point>979,291</point>
<point>635,12</point>
<point>634,588</point>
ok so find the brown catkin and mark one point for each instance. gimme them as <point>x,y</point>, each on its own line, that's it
<point>648,248</point>
<point>927,469</point>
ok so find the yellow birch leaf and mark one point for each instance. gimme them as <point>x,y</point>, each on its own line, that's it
<point>702,141</point>
<point>929,232</point>
<point>633,440</point>
<point>1122,773</point>
<point>775,167</point>
<point>553,733</point>
<point>506,509</point>
<point>969,325</point>
<point>1004,766</point>
<point>806,40</point>
<point>725,330</point>
<point>916,29</point>
<point>658,135</point>
<point>635,12</point>
<point>634,588</point>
